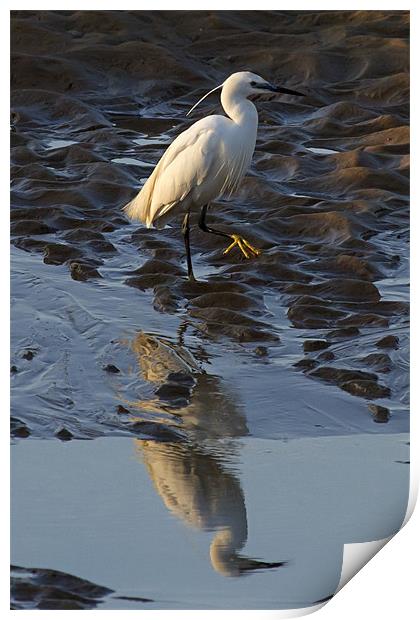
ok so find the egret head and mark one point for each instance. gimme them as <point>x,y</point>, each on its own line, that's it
<point>244,84</point>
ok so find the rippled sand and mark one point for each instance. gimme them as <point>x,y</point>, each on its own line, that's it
<point>96,97</point>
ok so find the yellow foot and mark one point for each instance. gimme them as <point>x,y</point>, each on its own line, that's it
<point>246,248</point>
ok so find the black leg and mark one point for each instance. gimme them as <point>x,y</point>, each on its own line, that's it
<point>186,233</point>
<point>203,225</point>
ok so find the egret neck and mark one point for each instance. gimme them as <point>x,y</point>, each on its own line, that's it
<point>239,109</point>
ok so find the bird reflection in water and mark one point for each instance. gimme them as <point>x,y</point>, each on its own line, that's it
<point>194,478</point>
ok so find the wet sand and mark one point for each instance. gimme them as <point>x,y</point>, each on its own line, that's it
<point>108,336</point>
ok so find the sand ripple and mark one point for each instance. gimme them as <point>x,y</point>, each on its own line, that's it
<point>97,96</point>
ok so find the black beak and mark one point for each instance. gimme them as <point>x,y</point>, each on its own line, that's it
<point>284,91</point>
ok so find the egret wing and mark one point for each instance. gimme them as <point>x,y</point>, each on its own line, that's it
<point>188,161</point>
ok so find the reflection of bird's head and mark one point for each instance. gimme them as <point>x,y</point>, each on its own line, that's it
<point>227,562</point>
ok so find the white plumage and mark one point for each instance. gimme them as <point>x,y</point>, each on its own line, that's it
<point>205,161</point>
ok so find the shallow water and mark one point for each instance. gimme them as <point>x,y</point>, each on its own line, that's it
<point>122,512</point>
<point>306,346</point>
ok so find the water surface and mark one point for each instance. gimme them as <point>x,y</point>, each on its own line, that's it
<point>197,526</point>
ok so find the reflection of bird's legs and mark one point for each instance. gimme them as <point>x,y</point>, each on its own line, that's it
<point>182,328</point>
<point>246,248</point>
<point>186,233</point>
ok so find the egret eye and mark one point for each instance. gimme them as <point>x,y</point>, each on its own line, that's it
<point>253,84</point>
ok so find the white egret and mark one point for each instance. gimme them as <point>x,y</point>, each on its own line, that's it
<point>205,161</point>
